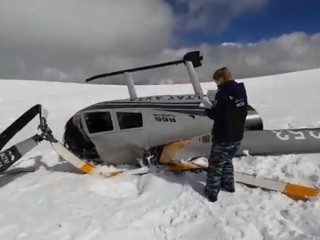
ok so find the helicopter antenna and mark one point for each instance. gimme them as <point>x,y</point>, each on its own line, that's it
<point>192,60</point>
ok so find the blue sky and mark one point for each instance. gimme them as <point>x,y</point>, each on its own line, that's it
<point>276,17</point>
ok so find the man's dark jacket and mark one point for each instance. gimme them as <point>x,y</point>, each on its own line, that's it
<point>229,112</point>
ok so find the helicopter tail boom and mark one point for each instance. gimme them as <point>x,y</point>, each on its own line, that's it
<point>257,143</point>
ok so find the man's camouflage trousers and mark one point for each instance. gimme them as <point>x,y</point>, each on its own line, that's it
<point>220,173</point>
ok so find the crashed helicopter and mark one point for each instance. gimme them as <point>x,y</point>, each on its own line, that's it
<point>174,128</point>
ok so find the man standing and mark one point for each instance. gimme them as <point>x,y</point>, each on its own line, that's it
<point>229,112</point>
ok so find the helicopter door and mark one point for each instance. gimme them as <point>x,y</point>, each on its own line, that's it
<point>99,126</point>
<point>131,127</point>
<point>128,137</point>
<point>117,134</point>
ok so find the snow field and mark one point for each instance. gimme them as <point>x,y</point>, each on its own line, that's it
<point>56,202</point>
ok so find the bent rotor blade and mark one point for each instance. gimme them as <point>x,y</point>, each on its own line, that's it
<point>294,191</point>
<point>87,168</point>
<point>72,159</point>
<point>18,124</point>
<point>11,155</point>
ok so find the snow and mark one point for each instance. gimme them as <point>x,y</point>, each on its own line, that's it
<point>56,202</point>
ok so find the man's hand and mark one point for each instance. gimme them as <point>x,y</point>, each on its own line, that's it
<point>205,103</point>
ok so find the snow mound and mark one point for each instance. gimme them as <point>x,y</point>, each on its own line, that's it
<point>56,202</point>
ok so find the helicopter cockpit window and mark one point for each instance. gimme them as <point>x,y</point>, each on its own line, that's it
<point>98,122</point>
<point>129,120</point>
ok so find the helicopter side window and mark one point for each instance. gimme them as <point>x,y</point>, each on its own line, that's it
<point>129,120</point>
<point>98,122</point>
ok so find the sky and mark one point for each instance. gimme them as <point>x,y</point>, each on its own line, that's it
<point>71,40</point>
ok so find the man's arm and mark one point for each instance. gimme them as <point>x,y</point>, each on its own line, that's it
<point>217,107</point>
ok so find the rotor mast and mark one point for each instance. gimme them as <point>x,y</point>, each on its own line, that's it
<point>191,60</point>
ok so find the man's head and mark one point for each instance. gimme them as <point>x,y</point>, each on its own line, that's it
<point>222,75</point>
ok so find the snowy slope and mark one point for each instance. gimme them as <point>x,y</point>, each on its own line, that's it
<point>57,203</point>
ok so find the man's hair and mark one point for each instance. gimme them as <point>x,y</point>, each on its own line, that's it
<point>219,73</point>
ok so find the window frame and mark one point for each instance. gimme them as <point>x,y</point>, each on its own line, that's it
<point>115,126</point>
<point>115,122</point>
<point>123,111</point>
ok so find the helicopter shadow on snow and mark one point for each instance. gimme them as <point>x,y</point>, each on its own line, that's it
<point>12,174</point>
<point>62,166</point>
<point>17,172</point>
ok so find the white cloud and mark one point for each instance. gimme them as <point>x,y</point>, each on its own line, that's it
<point>212,15</point>
<point>91,24</point>
<point>286,53</point>
<point>79,36</point>
<point>72,40</point>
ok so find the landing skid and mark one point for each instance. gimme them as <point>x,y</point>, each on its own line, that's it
<point>14,153</point>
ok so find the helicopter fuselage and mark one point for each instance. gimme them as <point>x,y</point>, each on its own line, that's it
<point>116,132</point>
